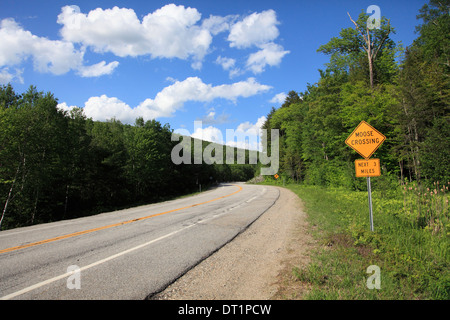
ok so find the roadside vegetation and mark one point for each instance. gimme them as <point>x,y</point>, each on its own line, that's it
<point>410,243</point>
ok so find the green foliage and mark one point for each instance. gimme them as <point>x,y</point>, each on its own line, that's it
<point>57,165</point>
<point>435,32</point>
<point>409,103</point>
<point>349,53</point>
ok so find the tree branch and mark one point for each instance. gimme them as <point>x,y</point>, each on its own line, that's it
<point>384,39</point>
<point>362,33</point>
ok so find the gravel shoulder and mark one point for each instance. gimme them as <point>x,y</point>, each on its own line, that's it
<point>257,264</point>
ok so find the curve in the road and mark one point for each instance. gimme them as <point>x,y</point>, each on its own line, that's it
<point>113,225</point>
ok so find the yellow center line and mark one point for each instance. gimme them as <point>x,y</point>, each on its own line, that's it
<point>111,225</point>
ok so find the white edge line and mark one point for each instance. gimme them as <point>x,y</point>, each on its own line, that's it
<point>251,199</point>
<point>62,276</point>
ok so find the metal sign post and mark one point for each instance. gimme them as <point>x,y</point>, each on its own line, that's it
<point>369,191</point>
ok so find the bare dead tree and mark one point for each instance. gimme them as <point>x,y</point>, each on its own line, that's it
<point>369,47</point>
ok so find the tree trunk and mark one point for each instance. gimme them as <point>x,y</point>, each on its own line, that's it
<point>9,196</point>
<point>325,156</point>
<point>400,163</point>
<point>370,69</point>
<point>370,58</point>
<point>416,149</point>
<point>372,52</point>
<point>33,215</point>
<point>66,201</point>
<point>413,141</point>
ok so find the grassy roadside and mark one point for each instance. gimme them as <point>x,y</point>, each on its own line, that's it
<point>410,244</point>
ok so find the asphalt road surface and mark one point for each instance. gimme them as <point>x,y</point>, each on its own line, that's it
<point>126,254</point>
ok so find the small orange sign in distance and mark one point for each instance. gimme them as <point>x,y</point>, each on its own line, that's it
<point>276,176</point>
<point>365,139</point>
<point>367,168</point>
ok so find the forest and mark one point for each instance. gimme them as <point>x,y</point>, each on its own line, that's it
<point>402,92</point>
<point>57,165</point>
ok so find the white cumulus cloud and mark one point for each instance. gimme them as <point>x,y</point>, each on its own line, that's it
<point>169,100</point>
<point>103,108</point>
<point>169,32</point>
<point>7,76</point>
<point>98,69</point>
<point>279,98</point>
<point>245,136</point>
<point>226,63</point>
<point>17,44</point>
<point>248,127</point>
<point>48,56</point>
<point>252,134</point>
<point>211,134</point>
<point>173,97</point>
<point>172,31</point>
<point>218,24</point>
<point>270,54</point>
<point>255,29</point>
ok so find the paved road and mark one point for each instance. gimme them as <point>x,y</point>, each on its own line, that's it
<point>127,254</point>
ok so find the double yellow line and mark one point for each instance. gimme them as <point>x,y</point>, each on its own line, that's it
<point>79,233</point>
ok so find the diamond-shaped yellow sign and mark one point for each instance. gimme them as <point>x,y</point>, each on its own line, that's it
<point>365,139</point>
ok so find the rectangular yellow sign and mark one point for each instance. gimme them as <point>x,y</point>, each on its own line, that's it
<point>367,168</point>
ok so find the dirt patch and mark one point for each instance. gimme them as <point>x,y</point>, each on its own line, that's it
<point>257,264</point>
<point>338,239</point>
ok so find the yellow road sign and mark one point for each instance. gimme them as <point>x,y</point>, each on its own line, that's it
<point>365,139</point>
<point>367,168</point>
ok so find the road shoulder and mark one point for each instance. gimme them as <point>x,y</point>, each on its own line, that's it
<point>257,264</point>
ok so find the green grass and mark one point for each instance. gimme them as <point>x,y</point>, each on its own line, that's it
<point>410,243</point>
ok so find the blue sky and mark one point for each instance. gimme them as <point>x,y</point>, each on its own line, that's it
<point>223,62</point>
